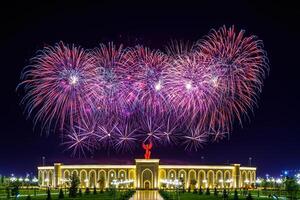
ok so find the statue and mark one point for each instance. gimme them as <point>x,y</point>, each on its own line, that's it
<point>147,147</point>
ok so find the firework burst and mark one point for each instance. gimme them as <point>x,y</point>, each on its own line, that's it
<point>115,97</point>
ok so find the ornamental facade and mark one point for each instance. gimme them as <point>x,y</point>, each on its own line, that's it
<point>148,174</point>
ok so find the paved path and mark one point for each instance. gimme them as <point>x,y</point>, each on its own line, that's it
<point>146,195</point>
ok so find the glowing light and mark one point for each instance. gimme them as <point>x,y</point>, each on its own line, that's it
<point>188,85</point>
<point>175,182</point>
<point>73,79</point>
<point>35,180</point>
<point>158,86</point>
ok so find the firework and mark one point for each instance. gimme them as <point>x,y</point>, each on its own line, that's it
<point>59,86</point>
<point>115,97</point>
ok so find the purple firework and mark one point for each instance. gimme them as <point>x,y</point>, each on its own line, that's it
<point>115,97</point>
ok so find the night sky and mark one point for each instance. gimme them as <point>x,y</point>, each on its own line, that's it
<point>271,137</point>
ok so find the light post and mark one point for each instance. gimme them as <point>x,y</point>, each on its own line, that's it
<point>34,180</point>
<point>250,159</point>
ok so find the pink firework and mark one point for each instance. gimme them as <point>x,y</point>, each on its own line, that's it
<point>115,97</point>
<point>59,86</point>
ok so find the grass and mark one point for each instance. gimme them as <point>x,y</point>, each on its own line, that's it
<point>41,194</point>
<point>193,196</point>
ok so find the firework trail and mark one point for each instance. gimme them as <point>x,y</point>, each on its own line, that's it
<point>115,97</point>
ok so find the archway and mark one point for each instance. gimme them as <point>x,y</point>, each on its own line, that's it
<point>147,185</point>
<point>147,177</point>
<point>210,179</point>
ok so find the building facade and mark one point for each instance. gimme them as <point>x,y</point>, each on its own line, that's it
<point>148,174</point>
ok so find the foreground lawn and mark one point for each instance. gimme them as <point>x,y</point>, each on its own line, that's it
<point>191,196</point>
<point>42,195</point>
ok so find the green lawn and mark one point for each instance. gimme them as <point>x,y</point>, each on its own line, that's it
<point>191,196</point>
<point>41,195</point>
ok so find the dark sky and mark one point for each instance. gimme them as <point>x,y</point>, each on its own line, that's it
<point>272,136</point>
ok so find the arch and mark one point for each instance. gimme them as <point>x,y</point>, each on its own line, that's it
<point>253,177</point>
<point>50,178</point>
<point>75,172</point>
<point>191,176</point>
<point>210,179</point>
<point>92,178</point>
<point>147,184</point>
<point>243,178</point>
<point>122,174</point>
<point>83,178</point>
<point>66,176</point>
<point>147,176</point>
<point>111,176</point>
<point>101,179</point>
<point>162,174</point>
<point>201,179</point>
<point>172,174</point>
<point>219,179</point>
<point>43,177</point>
<point>182,177</point>
<point>227,179</point>
<point>131,176</point>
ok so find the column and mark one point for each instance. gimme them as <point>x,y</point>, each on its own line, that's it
<point>236,175</point>
<point>57,174</point>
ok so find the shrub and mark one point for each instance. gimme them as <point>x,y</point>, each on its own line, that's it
<point>74,186</point>
<point>235,197</point>
<point>28,197</point>
<point>249,197</point>
<point>95,190</point>
<point>48,194</point>
<point>87,191</point>
<point>215,192</point>
<point>61,194</point>
<point>200,191</point>
<point>225,195</point>
<point>207,191</point>
<point>80,192</point>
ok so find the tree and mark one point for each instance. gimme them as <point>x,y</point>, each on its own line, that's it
<point>74,186</point>
<point>207,191</point>
<point>28,197</point>
<point>2,180</point>
<point>80,192</point>
<point>264,184</point>
<point>292,187</point>
<point>249,196</point>
<point>215,192</point>
<point>95,190</point>
<point>87,191</point>
<point>225,195</point>
<point>235,197</point>
<point>200,191</point>
<point>61,194</point>
<point>48,194</point>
